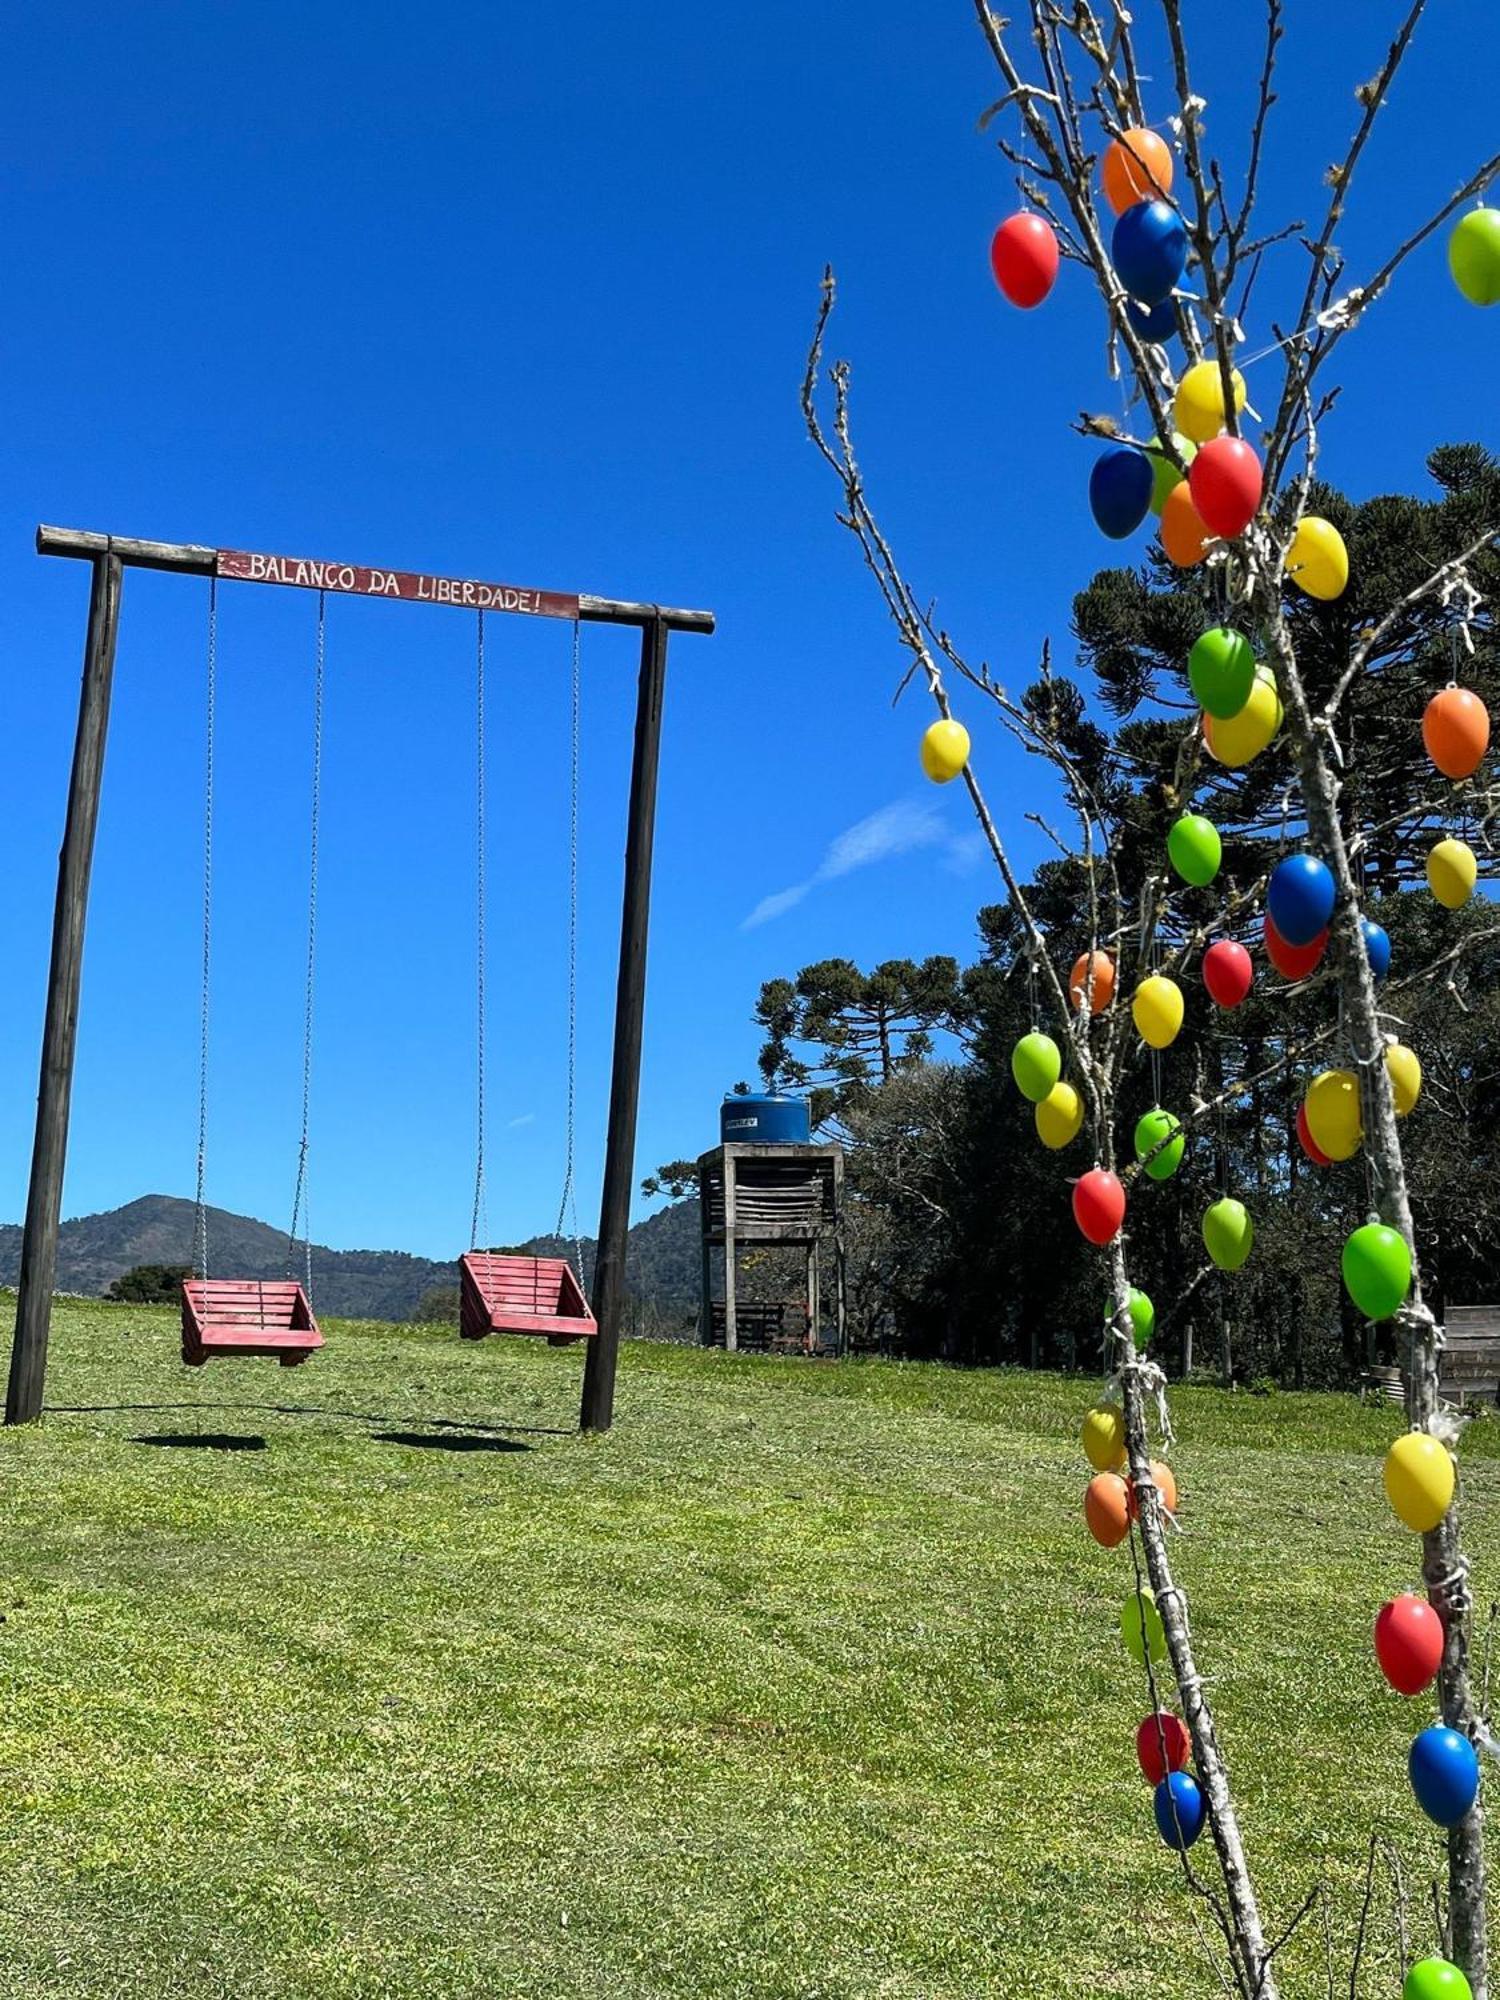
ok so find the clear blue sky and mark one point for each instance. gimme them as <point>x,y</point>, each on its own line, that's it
<point>525,293</point>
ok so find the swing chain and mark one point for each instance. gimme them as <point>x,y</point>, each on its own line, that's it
<point>568,1201</point>
<point>479,873</point>
<point>301,1205</point>
<point>200,1211</point>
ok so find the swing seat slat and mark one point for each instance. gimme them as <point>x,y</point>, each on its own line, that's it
<point>538,1295</point>
<point>240,1316</point>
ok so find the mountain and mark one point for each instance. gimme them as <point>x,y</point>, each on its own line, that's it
<point>94,1250</point>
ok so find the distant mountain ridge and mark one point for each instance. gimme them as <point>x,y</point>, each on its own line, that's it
<point>94,1250</point>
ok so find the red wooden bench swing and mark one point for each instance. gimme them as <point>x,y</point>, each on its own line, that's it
<point>500,1292</point>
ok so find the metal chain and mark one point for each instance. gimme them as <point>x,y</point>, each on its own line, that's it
<point>301,1205</point>
<point>479,1191</point>
<point>569,1201</point>
<point>200,1212</point>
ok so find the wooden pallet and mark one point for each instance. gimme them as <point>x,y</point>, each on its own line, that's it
<point>503,1294</point>
<point>266,1317</point>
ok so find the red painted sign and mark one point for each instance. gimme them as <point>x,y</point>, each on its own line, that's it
<point>463,592</point>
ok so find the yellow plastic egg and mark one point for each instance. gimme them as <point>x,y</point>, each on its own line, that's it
<point>1452,872</point>
<point>1104,1438</point>
<point>1333,1114</point>
<point>1405,1073</point>
<point>1242,737</point>
<point>1198,411</point>
<point>1317,559</point>
<point>1419,1480</point>
<point>1156,1010</point>
<point>1059,1117</point>
<point>945,750</point>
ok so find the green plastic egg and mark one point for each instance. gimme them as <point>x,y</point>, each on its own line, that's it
<point>1377,1270</point>
<point>1221,671</point>
<point>1436,1979</point>
<point>1474,256</point>
<point>1036,1064</point>
<point>1141,1628</point>
<point>1142,1316</point>
<point>1195,849</point>
<point>1228,1233</point>
<point>1151,1129</point>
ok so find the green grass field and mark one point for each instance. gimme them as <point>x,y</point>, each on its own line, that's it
<point>372,1678</point>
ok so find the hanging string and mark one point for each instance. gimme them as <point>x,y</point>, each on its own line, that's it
<point>301,1205</point>
<point>479,1210</point>
<point>200,1210</point>
<point>568,1202</point>
<point>1031,988</point>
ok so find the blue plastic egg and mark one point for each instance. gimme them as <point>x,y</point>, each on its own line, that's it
<point>1179,1808</point>
<point>1300,898</point>
<point>1120,490</point>
<point>1377,948</point>
<point>1149,250</point>
<point>1155,323</point>
<point>1444,1774</point>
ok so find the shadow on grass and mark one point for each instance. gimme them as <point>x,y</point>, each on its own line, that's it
<point>305,1410</point>
<point>202,1441</point>
<point>451,1440</point>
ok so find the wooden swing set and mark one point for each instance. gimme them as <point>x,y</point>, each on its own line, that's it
<point>500,1293</point>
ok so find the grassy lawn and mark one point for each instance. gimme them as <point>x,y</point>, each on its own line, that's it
<point>373,1679</point>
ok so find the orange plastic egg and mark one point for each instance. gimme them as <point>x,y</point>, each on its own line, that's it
<point>1136,167</point>
<point>1183,533</point>
<point>1164,1482</point>
<point>1103,980</point>
<point>1456,730</point>
<point>1106,1508</point>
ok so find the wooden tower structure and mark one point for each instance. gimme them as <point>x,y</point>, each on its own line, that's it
<point>788,1197</point>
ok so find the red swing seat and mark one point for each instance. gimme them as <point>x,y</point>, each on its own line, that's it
<point>521,1295</point>
<point>247,1316</point>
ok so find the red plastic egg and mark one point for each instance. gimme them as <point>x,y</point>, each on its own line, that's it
<point>1227,972</point>
<point>1293,961</point>
<point>1225,478</point>
<point>1309,1144</point>
<point>1024,258</point>
<point>1409,1643</point>
<point>1099,1205</point>
<point>1162,1744</point>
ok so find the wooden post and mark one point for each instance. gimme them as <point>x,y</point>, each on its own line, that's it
<point>28,1355</point>
<point>598,1406</point>
<point>814,1303</point>
<point>731,1323</point>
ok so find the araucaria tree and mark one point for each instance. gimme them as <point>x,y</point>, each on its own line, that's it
<point>1287,642</point>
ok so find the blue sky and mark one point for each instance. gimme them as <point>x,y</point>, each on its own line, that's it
<point>524,293</point>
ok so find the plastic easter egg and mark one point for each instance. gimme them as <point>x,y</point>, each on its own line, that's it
<point>1151,1129</point>
<point>1164,473</point>
<point>1136,167</point>
<point>1195,849</point>
<point>1228,972</point>
<point>1317,560</point>
<point>1405,1073</point>
<point>1452,872</point>
<point>1419,1480</point>
<point>1179,1809</point>
<point>1228,1233</point>
<point>1149,250</point>
<point>1036,1064</point>
<point>1293,961</point>
<point>1444,1770</point>
<point>1226,481</point>
<point>1198,410</point>
<point>1120,487</point>
<point>1097,986</point>
<point>1162,1745</point>
<point>1164,1482</point>
<point>1456,731</point>
<point>1377,1269</point>
<point>1183,533</point>
<point>1142,1316</point>
<point>1333,1114</point>
<point>1474,256</point>
<point>1105,1510</point>
<point>1099,1205</point>
<point>1059,1117</point>
<point>1377,948</point>
<point>1435,1979</point>
<point>1409,1643</point>
<point>1024,258</point>
<point>1307,1142</point>
<point>1141,1628</point>
<point>1221,670</point>
<point>1154,324</point>
<point>1239,740</point>
<point>1156,1010</point>
<point>1299,897</point>
<point>1104,1437</point>
<point>945,750</point>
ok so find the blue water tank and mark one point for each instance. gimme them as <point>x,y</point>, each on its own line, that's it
<point>765,1119</point>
